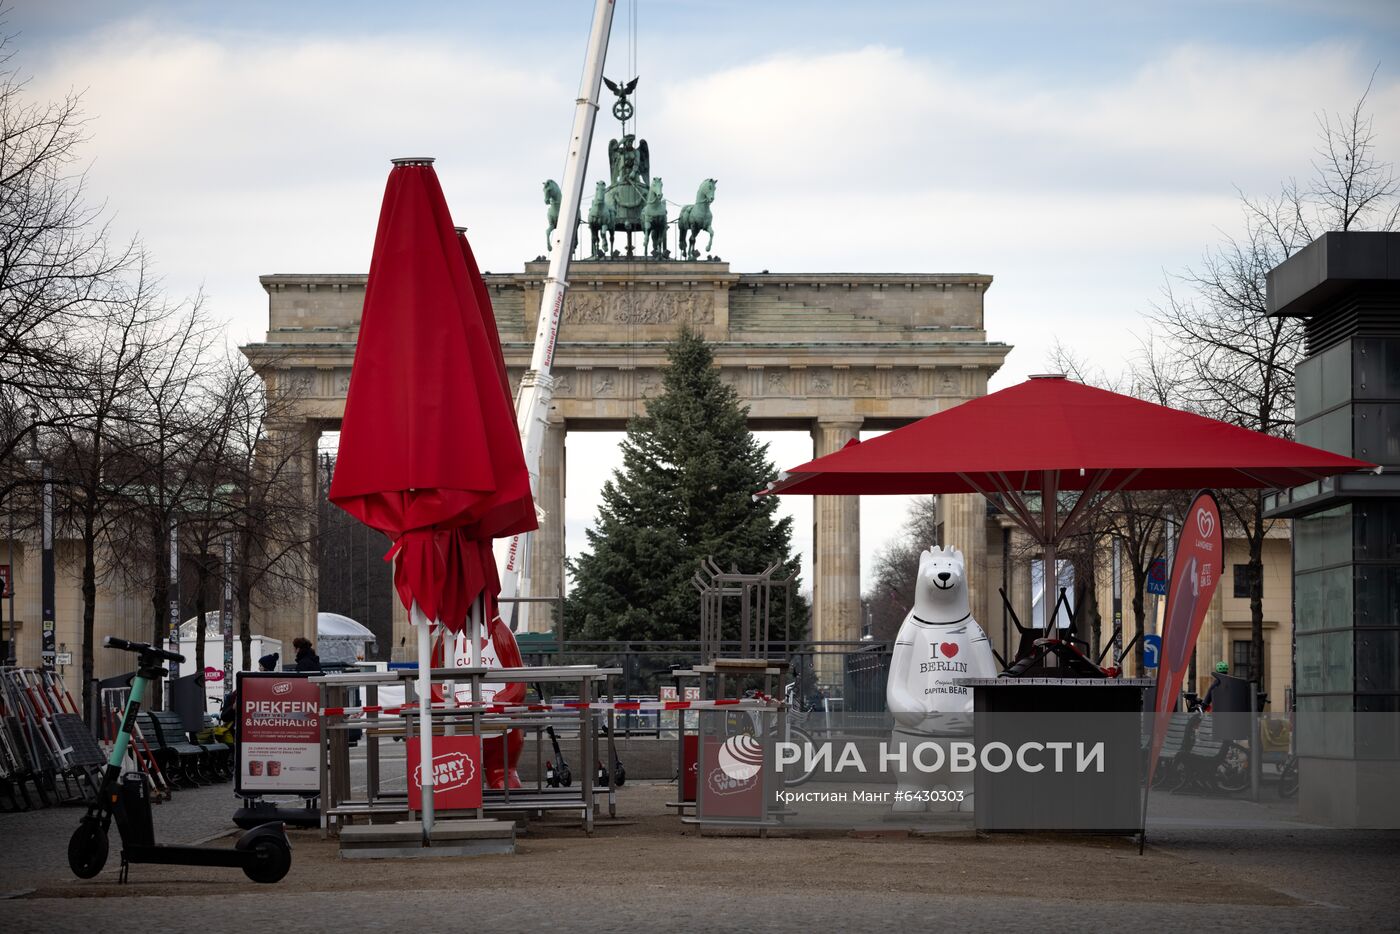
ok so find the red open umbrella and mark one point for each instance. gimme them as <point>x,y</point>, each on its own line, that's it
<point>429,453</point>
<point>1051,434</point>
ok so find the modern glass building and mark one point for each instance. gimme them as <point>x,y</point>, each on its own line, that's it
<point>1346,531</point>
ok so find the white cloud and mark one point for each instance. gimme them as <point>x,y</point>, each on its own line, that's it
<point>237,155</point>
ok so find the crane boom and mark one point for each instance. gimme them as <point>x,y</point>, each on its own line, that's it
<point>537,386</point>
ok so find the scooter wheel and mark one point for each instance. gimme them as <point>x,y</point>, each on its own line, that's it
<point>87,849</point>
<point>271,860</point>
<point>566,778</point>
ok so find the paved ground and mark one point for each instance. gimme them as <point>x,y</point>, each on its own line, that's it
<point>1208,864</point>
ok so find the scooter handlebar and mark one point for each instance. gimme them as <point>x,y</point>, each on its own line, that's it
<point>112,642</point>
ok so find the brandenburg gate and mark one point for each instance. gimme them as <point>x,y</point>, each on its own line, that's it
<point>831,354</point>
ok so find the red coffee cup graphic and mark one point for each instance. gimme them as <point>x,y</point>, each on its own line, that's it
<point>274,768</point>
<point>255,767</point>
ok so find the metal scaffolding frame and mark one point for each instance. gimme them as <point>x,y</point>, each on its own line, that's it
<point>755,595</point>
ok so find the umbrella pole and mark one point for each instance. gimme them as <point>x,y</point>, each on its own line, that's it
<point>425,721</point>
<point>1049,508</point>
<point>478,627</point>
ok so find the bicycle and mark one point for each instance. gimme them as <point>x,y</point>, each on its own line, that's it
<point>796,773</point>
<point>1231,774</point>
<point>1288,777</point>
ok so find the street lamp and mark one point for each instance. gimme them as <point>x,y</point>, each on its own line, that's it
<point>9,592</point>
<point>11,657</point>
<point>38,464</point>
<point>46,567</point>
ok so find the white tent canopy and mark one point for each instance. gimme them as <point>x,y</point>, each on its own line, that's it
<point>333,624</point>
<point>341,639</point>
<point>327,625</point>
<point>338,638</point>
<point>213,627</point>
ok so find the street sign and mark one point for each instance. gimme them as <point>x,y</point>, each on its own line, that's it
<point>1151,651</point>
<point>63,658</point>
<point>1157,577</point>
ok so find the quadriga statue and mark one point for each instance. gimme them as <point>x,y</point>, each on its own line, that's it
<point>938,644</point>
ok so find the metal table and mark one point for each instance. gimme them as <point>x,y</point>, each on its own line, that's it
<point>340,805</point>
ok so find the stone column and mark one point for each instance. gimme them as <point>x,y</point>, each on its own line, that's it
<point>315,487</point>
<point>547,547</point>
<point>1022,589</point>
<point>964,518</point>
<point>289,610</point>
<point>836,563</point>
<point>405,647</point>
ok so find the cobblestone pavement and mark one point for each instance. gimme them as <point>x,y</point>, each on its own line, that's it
<point>33,844</point>
<point>1208,864</point>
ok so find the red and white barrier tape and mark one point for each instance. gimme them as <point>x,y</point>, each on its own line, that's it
<point>748,703</point>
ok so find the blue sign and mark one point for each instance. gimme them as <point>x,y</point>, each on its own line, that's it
<point>1151,651</point>
<point>1157,577</point>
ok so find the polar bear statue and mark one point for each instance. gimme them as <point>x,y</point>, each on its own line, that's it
<point>938,644</point>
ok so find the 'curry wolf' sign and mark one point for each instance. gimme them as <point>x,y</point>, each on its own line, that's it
<point>456,773</point>
<point>938,645</point>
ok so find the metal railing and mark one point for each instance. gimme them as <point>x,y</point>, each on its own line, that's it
<point>839,675</point>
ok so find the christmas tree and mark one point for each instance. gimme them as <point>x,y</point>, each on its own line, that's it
<point>690,467</point>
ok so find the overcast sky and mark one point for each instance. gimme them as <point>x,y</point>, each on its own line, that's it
<point>1078,153</point>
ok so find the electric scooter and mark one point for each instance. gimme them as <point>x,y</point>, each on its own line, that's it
<point>559,776</point>
<point>264,853</point>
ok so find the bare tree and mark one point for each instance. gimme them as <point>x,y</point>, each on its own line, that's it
<point>273,523</point>
<point>174,432</point>
<point>1236,362</point>
<point>220,487</point>
<point>1353,185</point>
<point>897,566</point>
<point>96,445</point>
<point>56,265</point>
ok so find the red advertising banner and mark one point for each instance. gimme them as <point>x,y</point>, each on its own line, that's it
<point>279,734</point>
<point>1200,550</point>
<point>456,773</point>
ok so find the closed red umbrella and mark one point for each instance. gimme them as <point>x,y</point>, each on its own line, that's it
<point>1051,434</point>
<point>429,453</point>
<point>511,511</point>
<point>512,508</point>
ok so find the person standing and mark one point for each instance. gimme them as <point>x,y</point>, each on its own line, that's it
<point>229,711</point>
<point>1221,670</point>
<point>307,659</point>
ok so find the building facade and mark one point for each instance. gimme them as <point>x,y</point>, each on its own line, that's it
<point>1347,529</point>
<point>827,354</point>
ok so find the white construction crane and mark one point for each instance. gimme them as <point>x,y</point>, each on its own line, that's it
<point>537,386</point>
